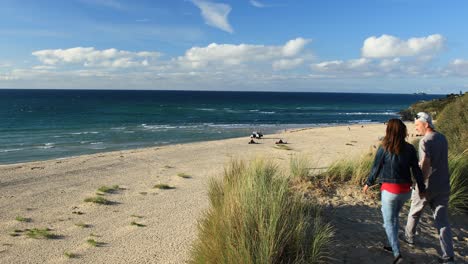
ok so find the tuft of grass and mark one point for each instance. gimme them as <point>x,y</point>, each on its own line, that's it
<point>137,224</point>
<point>184,175</point>
<point>94,243</point>
<point>98,200</point>
<point>107,189</point>
<point>137,216</point>
<point>82,225</point>
<point>299,167</point>
<point>38,233</point>
<point>23,219</point>
<point>70,254</point>
<point>354,171</point>
<point>254,217</point>
<point>163,186</point>
<point>458,167</point>
<point>283,147</point>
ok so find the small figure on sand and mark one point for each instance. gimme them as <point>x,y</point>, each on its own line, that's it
<point>281,142</point>
<point>257,134</point>
<point>349,128</point>
<point>252,141</point>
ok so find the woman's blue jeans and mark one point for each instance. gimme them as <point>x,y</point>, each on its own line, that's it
<point>391,206</point>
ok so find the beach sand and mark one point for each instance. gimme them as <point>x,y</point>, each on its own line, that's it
<point>51,195</point>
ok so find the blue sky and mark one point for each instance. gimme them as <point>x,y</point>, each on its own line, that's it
<point>391,46</point>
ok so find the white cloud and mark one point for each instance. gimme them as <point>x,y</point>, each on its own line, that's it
<point>256,4</point>
<point>90,57</point>
<point>294,46</point>
<point>458,67</point>
<point>235,55</point>
<point>387,46</point>
<point>215,14</point>
<point>285,64</point>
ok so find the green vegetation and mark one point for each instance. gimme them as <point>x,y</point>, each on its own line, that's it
<point>255,217</point>
<point>458,166</point>
<point>137,216</point>
<point>98,200</point>
<point>23,219</point>
<point>299,167</point>
<point>40,233</point>
<point>137,224</point>
<point>70,254</point>
<point>453,123</point>
<point>107,189</point>
<point>92,242</point>
<point>163,186</point>
<point>184,175</point>
<point>434,107</point>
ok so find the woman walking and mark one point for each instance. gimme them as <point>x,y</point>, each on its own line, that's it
<point>392,165</point>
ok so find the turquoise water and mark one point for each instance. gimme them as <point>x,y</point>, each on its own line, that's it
<point>46,124</point>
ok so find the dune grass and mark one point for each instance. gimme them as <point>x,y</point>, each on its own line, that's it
<point>70,254</point>
<point>184,175</point>
<point>355,171</point>
<point>98,200</point>
<point>23,219</point>
<point>137,224</point>
<point>254,217</point>
<point>107,189</point>
<point>38,233</point>
<point>458,166</point>
<point>163,186</point>
<point>94,243</point>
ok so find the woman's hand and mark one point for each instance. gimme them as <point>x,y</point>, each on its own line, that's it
<point>364,189</point>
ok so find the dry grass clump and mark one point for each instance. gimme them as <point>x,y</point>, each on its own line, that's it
<point>163,186</point>
<point>38,233</point>
<point>184,175</point>
<point>98,200</point>
<point>23,219</point>
<point>254,217</point>
<point>107,189</point>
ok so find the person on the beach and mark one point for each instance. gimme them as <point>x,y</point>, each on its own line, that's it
<point>392,165</point>
<point>433,159</point>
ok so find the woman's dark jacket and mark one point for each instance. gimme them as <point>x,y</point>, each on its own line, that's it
<point>393,168</point>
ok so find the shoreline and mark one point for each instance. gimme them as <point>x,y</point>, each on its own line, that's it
<point>276,132</point>
<point>51,194</point>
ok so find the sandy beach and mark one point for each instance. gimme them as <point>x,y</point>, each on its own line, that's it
<point>50,194</point>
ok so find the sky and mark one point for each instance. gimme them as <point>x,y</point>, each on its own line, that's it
<point>385,46</point>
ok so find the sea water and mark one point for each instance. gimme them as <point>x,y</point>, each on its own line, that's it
<point>47,124</point>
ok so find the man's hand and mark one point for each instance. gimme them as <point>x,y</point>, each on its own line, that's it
<point>364,189</point>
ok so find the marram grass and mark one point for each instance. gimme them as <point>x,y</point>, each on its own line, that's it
<point>254,217</point>
<point>458,166</point>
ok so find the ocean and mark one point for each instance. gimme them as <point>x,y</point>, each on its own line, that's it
<point>48,124</point>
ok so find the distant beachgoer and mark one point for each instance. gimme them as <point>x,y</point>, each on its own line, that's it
<point>349,128</point>
<point>281,142</point>
<point>433,159</point>
<point>392,165</point>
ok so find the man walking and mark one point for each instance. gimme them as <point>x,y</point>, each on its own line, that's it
<point>433,160</point>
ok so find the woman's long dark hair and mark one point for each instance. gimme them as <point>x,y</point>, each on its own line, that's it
<point>395,138</point>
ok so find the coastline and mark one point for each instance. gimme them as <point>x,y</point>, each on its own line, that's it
<point>52,192</point>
